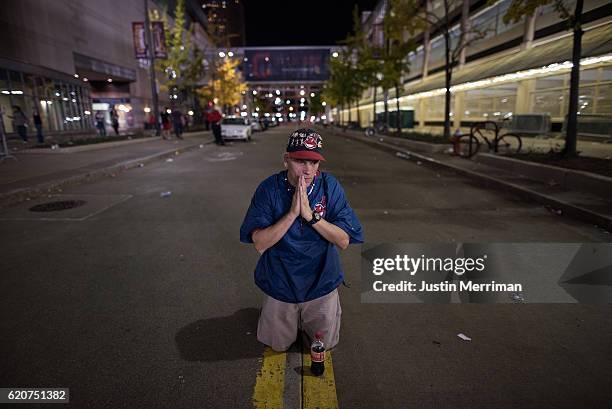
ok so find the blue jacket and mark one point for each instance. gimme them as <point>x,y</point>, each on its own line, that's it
<point>302,266</point>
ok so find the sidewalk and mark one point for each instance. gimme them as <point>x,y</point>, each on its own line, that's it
<point>565,192</point>
<point>33,174</point>
<point>594,149</point>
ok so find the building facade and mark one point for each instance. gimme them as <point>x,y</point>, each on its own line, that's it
<point>70,59</point>
<point>514,70</point>
<point>226,17</point>
<point>282,82</point>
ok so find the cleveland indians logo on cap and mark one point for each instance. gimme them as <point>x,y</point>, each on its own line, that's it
<point>310,142</point>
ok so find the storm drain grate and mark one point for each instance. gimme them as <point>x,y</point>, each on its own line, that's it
<point>57,206</point>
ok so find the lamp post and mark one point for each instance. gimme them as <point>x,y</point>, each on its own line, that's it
<point>151,55</point>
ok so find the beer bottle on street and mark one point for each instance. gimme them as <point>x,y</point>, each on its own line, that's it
<point>317,355</point>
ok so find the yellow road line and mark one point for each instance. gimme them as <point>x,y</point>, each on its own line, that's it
<point>270,383</point>
<point>319,392</point>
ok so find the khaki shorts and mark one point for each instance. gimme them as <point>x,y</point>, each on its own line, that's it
<point>279,321</point>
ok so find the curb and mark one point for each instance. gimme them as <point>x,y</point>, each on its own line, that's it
<point>570,179</point>
<point>577,212</point>
<point>19,195</point>
<point>86,148</point>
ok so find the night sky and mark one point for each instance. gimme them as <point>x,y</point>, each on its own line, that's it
<point>287,23</point>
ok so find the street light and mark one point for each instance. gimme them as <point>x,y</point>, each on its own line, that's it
<point>324,103</point>
<point>335,54</point>
<point>221,54</point>
<point>230,54</point>
<point>254,92</point>
<point>312,94</point>
<point>302,92</point>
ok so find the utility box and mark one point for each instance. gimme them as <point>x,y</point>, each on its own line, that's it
<point>534,124</point>
<point>407,118</point>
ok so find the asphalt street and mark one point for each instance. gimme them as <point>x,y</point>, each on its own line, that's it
<point>134,300</point>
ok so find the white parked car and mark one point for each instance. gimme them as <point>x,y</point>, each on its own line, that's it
<point>236,128</point>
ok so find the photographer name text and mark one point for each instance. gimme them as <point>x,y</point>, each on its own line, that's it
<point>445,286</point>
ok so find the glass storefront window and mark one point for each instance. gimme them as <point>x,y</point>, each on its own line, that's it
<point>603,102</point>
<point>502,7</point>
<point>15,83</point>
<point>606,73</point>
<point>436,53</point>
<point>586,100</point>
<point>455,33</point>
<point>67,108</point>
<point>5,101</point>
<point>435,107</point>
<point>494,104</point>
<point>61,105</point>
<point>553,81</point>
<point>570,5</point>
<point>416,62</point>
<point>549,102</point>
<point>589,76</point>
<point>485,22</point>
<point>552,93</point>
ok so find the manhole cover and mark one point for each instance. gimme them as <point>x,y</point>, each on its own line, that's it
<point>57,206</point>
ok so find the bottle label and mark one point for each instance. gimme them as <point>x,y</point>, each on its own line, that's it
<point>317,356</point>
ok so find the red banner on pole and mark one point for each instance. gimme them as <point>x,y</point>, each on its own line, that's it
<point>138,35</point>
<point>159,39</point>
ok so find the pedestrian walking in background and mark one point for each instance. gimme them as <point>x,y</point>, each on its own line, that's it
<point>214,117</point>
<point>177,122</point>
<point>100,123</point>
<point>115,121</point>
<point>150,122</point>
<point>297,220</point>
<point>20,123</point>
<point>38,125</point>
<point>166,123</point>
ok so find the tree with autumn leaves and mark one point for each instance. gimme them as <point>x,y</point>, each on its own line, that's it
<point>226,86</point>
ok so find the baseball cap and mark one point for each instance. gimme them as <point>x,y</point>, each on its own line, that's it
<point>305,144</point>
